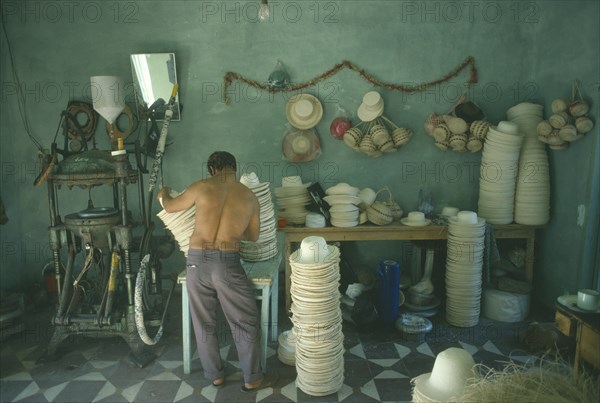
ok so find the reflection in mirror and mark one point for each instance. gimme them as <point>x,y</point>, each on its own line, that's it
<point>154,75</point>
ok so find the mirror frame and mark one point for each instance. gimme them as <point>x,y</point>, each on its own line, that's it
<point>138,70</point>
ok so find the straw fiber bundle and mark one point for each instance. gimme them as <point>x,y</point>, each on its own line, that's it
<point>550,381</point>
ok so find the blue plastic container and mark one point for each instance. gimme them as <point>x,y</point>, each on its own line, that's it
<point>389,292</point>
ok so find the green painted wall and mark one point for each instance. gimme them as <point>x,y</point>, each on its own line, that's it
<point>524,51</point>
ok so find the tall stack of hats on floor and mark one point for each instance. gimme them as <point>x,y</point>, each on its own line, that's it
<point>181,224</point>
<point>266,246</point>
<point>464,263</point>
<point>291,199</point>
<point>317,317</point>
<point>343,201</point>
<point>498,173</point>
<point>532,196</point>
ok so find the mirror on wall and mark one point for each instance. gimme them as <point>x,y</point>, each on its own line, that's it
<point>154,75</point>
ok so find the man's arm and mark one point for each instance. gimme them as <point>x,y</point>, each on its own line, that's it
<point>182,202</point>
<point>253,230</point>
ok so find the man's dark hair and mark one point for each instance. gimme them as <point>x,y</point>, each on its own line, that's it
<point>220,160</point>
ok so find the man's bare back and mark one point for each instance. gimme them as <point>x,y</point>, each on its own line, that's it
<point>227,212</point>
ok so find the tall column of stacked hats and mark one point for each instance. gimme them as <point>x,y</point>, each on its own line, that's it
<point>376,134</point>
<point>344,202</point>
<point>292,198</point>
<point>498,172</point>
<point>266,246</point>
<point>317,317</point>
<point>181,224</point>
<point>532,196</point>
<point>464,262</point>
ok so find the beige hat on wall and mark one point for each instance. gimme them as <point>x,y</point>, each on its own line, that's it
<point>301,145</point>
<point>304,111</point>
<point>371,107</point>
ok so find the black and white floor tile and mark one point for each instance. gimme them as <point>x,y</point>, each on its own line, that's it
<point>378,366</point>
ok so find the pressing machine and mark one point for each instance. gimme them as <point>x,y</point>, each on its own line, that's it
<point>98,294</point>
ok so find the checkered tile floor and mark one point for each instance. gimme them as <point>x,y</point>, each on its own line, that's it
<point>378,366</point>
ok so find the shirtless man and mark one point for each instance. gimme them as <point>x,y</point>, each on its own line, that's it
<point>227,212</point>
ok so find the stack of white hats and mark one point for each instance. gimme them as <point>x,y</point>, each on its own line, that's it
<point>532,198</point>
<point>464,263</point>
<point>181,224</point>
<point>317,317</point>
<point>452,369</point>
<point>498,172</point>
<point>292,198</point>
<point>266,245</point>
<point>344,202</point>
<point>286,352</point>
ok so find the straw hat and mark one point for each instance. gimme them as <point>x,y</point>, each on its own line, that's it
<point>371,107</point>
<point>301,145</point>
<point>415,219</point>
<point>342,189</point>
<point>291,181</point>
<point>313,250</point>
<point>304,111</point>
<point>446,381</point>
<point>250,180</point>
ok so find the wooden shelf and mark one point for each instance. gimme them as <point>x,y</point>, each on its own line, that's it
<point>398,232</point>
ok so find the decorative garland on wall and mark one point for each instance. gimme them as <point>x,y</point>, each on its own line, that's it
<point>230,77</point>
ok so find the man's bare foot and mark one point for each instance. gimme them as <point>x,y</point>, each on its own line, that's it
<point>267,381</point>
<point>217,383</point>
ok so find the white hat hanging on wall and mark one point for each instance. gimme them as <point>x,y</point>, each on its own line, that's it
<point>301,145</point>
<point>304,111</point>
<point>371,107</point>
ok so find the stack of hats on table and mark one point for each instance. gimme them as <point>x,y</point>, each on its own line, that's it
<point>292,198</point>
<point>317,317</point>
<point>266,245</point>
<point>464,263</point>
<point>344,202</point>
<point>498,173</point>
<point>181,224</point>
<point>532,197</point>
<point>452,369</point>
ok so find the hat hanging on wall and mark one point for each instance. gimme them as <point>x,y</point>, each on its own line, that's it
<point>304,111</point>
<point>371,107</point>
<point>301,145</point>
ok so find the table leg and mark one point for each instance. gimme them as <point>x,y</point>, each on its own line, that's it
<point>529,256</point>
<point>264,328</point>
<point>288,274</point>
<point>275,306</point>
<point>577,351</point>
<point>186,331</point>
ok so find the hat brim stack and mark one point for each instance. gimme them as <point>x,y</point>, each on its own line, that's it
<point>266,245</point>
<point>317,320</point>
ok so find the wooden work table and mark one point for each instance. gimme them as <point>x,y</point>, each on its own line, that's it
<point>398,232</point>
<point>584,328</point>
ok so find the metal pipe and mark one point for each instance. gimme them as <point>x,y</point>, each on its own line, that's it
<point>112,282</point>
<point>67,283</point>
<point>123,201</point>
<point>128,277</point>
<point>52,204</point>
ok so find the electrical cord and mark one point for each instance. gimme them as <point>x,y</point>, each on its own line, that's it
<point>20,97</point>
